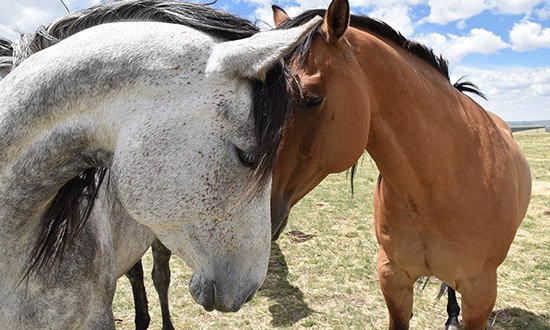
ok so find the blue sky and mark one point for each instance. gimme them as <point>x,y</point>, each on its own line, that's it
<point>501,45</point>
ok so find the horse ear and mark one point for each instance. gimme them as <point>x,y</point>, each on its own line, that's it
<point>279,15</point>
<point>336,20</point>
<point>252,57</point>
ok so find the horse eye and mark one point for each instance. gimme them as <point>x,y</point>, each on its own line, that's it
<point>312,102</point>
<point>246,158</point>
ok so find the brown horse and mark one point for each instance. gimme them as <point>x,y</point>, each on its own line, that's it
<point>454,186</point>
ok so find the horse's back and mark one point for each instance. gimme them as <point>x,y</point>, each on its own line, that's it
<point>519,161</point>
<point>497,187</point>
<point>505,171</point>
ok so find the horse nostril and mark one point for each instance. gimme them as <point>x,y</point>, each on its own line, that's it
<point>202,292</point>
<point>225,300</point>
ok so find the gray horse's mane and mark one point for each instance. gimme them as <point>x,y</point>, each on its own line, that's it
<point>6,56</point>
<point>72,205</point>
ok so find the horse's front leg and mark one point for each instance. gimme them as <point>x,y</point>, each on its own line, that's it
<point>453,310</point>
<point>161,280</point>
<point>479,295</point>
<point>397,289</point>
<point>135,275</point>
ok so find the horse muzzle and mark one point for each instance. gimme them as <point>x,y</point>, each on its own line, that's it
<point>223,298</point>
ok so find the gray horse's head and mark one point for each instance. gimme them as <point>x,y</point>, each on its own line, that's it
<point>186,174</point>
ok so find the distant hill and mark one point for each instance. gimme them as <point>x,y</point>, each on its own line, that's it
<point>527,125</point>
<point>544,123</point>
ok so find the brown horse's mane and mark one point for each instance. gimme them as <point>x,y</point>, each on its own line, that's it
<point>383,30</point>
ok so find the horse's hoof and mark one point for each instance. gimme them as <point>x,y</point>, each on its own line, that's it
<point>452,326</point>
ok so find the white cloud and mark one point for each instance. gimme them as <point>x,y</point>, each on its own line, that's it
<point>394,12</point>
<point>264,14</point>
<point>397,13</point>
<point>27,15</point>
<point>396,16</point>
<point>455,48</point>
<point>514,7</point>
<point>444,11</point>
<point>526,36</point>
<point>515,93</point>
<point>461,24</point>
<point>544,12</point>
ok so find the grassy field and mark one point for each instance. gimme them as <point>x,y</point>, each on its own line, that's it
<point>323,269</point>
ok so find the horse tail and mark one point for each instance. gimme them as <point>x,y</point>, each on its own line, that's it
<point>442,289</point>
<point>468,86</point>
<point>352,171</point>
<point>64,219</point>
<point>423,282</point>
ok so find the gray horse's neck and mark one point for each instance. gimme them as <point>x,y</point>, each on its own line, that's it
<point>61,112</point>
<point>50,129</point>
<point>47,137</point>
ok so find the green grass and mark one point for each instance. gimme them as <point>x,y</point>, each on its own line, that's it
<point>330,281</point>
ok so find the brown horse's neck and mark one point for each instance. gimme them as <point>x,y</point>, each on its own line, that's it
<point>421,126</point>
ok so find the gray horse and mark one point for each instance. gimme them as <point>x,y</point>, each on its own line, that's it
<point>166,125</point>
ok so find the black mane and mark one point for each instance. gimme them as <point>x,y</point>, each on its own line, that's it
<point>383,30</point>
<point>72,205</point>
<point>6,49</point>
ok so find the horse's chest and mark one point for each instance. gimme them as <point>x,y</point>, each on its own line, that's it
<point>405,245</point>
<point>422,248</point>
<point>408,235</point>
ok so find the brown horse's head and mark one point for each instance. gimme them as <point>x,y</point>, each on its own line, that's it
<point>329,124</point>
